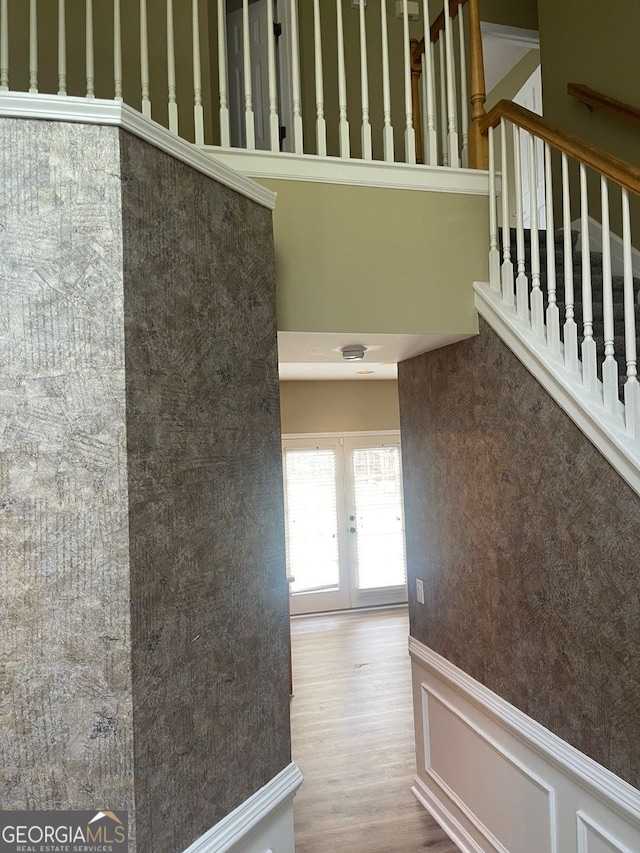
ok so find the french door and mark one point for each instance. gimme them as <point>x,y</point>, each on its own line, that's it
<point>344,522</point>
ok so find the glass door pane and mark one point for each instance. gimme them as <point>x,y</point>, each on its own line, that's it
<point>377,547</point>
<point>313,539</point>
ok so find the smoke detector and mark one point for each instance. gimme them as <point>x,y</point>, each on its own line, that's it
<point>353,352</point>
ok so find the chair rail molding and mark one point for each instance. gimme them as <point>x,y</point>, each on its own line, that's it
<point>510,784</point>
<point>261,824</point>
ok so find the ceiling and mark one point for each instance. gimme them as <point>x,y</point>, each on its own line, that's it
<point>316,355</point>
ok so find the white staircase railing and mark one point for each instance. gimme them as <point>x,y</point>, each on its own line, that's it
<point>571,294</point>
<point>324,78</point>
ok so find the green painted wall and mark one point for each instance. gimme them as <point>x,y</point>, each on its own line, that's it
<point>378,260</point>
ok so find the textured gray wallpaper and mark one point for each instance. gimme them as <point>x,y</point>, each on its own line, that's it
<point>527,541</point>
<point>144,630</point>
<point>65,673</point>
<point>208,587</point>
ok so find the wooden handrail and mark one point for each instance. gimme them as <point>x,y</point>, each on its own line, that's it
<point>598,101</point>
<point>478,150</point>
<point>606,164</point>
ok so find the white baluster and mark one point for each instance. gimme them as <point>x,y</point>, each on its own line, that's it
<point>537,301</point>
<point>91,88</point>
<point>631,386</point>
<point>522,282</point>
<point>553,315</point>
<point>171,71</point>
<point>117,51</point>
<point>62,48</point>
<point>424,109</point>
<point>144,60</point>
<point>249,117</point>
<point>464,97</point>
<point>443,102</point>
<point>409,132</point>
<point>452,129</point>
<point>610,366</point>
<point>494,252</point>
<point>33,47</point>
<point>225,136</point>
<point>430,136</point>
<point>367,152</point>
<point>4,46</point>
<point>506,272</point>
<point>321,124</point>
<point>387,131</point>
<point>274,121</point>
<point>570,329</point>
<point>198,111</point>
<point>298,142</point>
<point>343,124</point>
<point>588,348</point>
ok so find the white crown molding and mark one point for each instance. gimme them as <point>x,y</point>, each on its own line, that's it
<point>364,173</point>
<point>513,35</point>
<point>614,792</point>
<point>607,432</point>
<point>235,829</point>
<point>96,111</point>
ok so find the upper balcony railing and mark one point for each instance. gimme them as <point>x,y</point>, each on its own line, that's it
<point>298,76</point>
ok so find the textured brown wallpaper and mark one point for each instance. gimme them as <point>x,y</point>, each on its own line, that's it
<point>208,587</point>
<point>528,543</point>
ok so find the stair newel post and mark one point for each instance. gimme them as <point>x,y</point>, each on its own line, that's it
<point>570,329</point>
<point>553,315</point>
<point>494,252</point>
<point>274,120</point>
<point>321,124</point>
<point>409,132</point>
<point>428,82</point>
<point>365,130</point>
<point>507,263</point>
<point>478,152</point>
<point>631,386</point>
<point>522,282</point>
<point>610,366</point>
<point>537,302</point>
<point>589,359</point>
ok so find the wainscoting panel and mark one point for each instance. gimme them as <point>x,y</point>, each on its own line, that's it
<point>499,782</point>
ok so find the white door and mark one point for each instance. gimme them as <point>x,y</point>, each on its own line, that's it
<point>344,522</point>
<point>259,36</point>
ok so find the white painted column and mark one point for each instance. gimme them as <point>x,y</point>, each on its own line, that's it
<point>570,329</point>
<point>33,47</point>
<point>343,124</point>
<point>553,315</point>
<point>610,366</point>
<point>144,60</point>
<point>631,386</point>
<point>62,48</point>
<point>367,152</point>
<point>223,86</point>
<point>387,130</point>
<point>198,111</point>
<point>588,347</point>
<point>409,132</point>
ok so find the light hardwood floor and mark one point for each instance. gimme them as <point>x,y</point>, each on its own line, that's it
<point>352,730</point>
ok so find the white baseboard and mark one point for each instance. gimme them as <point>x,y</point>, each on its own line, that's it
<point>617,252</point>
<point>499,782</point>
<point>262,824</point>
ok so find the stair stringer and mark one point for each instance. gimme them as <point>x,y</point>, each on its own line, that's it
<point>606,432</point>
